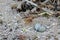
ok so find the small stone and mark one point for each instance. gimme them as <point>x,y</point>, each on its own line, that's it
<point>19,0</point>
<point>40,28</point>
<point>38,1</point>
<point>38,9</point>
<point>42,0</point>
<point>14,6</point>
<point>33,0</point>
<point>10,30</point>
<point>4,38</point>
<point>24,6</point>
<point>19,10</point>
<point>58,14</point>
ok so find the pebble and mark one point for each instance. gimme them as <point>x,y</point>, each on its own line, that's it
<point>19,10</point>
<point>42,0</point>
<point>19,0</point>
<point>38,1</point>
<point>38,9</point>
<point>57,15</point>
<point>14,6</point>
<point>39,28</point>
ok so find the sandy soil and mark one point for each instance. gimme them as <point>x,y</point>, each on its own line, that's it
<point>13,20</point>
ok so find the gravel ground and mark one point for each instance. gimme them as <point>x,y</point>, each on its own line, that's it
<point>13,26</point>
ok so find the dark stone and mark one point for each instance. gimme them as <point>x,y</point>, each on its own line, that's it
<point>42,0</point>
<point>23,6</point>
<point>19,10</point>
<point>23,9</point>
<point>58,14</point>
<point>19,0</point>
<point>4,38</point>
<point>38,9</point>
<point>13,7</point>
<point>10,30</point>
<point>28,0</point>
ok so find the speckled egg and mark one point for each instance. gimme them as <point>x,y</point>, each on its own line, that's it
<point>39,28</point>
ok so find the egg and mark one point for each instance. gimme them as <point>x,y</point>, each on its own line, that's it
<point>39,28</point>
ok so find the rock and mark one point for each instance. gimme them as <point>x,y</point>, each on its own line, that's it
<point>19,10</point>
<point>58,14</point>
<point>38,1</point>
<point>40,28</point>
<point>38,9</point>
<point>19,0</point>
<point>14,6</point>
<point>42,0</point>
